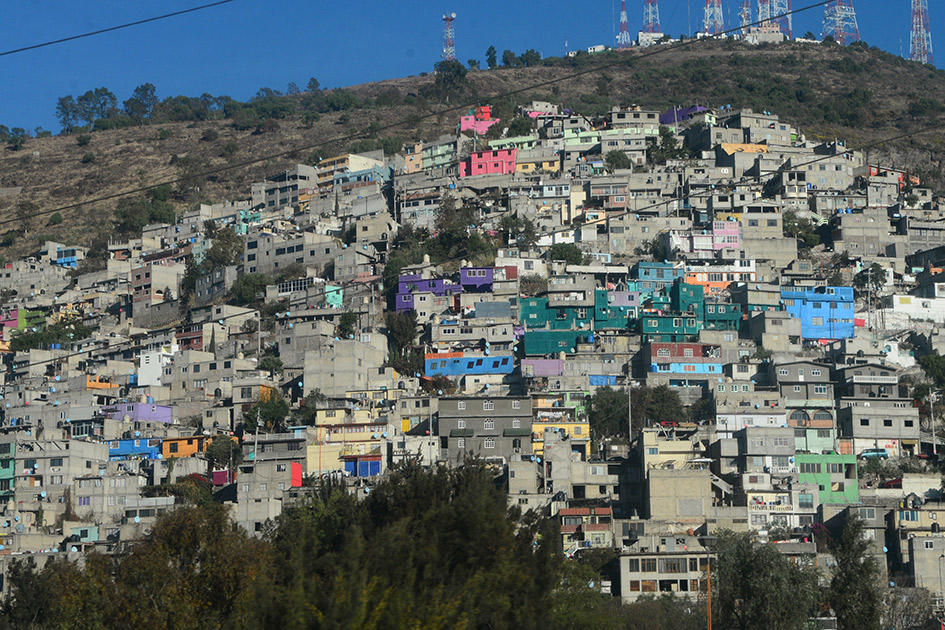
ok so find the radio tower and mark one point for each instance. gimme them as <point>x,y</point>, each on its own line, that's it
<point>777,12</point>
<point>713,24</point>
<point>920,47</point>
<point>651,17</point>
<point>449,42</point>
<point>840,22</point>
<point>623,38</point>
<point>744,17</point>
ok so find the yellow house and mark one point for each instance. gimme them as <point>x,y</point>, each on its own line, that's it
<point>551,413</point>
<point>343,436</point>
<point>535,165</point>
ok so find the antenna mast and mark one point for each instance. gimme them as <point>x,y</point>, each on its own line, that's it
<point>744,17</point>
<point>449,43</point>
<point>920,46</point>
<point>778,13</point>
<point>840,22</point>
<point>623,37</point>
<point>713,23</point>
<point>651,17</point>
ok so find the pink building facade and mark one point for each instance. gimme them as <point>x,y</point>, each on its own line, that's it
<point>479,127</point>
<point>500,162</point>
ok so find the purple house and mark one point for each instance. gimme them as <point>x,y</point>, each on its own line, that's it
<point>680,114</point>
<point>408,285</point>
<point>476,279</point>
<point>140,412</point>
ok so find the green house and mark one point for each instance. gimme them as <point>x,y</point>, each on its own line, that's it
<point>723,316</point>
<point>7,468</point>
<point>834,474</point>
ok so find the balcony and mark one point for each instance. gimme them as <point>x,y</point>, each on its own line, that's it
<point>865,379</point>
<point>770,507</point>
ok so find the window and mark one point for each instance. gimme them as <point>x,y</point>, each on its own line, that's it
<point>648,565</point>
<point>460,424</point>
<point>864,422</point>
<point>805,501</point>
<point>488,425</point>
<point>85,501</point>
<point>55,461</point>
<point>633,565</point>
<point>488,443</point>
<point>461,405</point>
<point>908,515</point>
<point>516,424</point>
<point>488,405</point>
<point>672,565</point>
<point>929,544</point>
<point>868,513</point>
<point>516,404</point>
<point>461,443</point>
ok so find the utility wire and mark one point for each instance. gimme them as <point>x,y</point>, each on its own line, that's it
<point>114,28</point>
<point>624,60</point>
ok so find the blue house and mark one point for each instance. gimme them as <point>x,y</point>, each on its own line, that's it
<point>656,276</point>
<point>462,364</point>
<point>143,448</point>
<point>825,312</point>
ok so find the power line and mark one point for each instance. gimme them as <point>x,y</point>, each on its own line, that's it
<point>115,28</point>
<point>657,50</point>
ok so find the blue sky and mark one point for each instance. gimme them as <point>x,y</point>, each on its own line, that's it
<point>237,48</point>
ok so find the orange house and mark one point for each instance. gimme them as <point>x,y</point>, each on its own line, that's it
<point>183,446</point>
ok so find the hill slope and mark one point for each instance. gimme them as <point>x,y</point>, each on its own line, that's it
<point>855,93</point>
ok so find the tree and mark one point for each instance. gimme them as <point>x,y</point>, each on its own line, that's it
<point>25,211</point>
<point>307,412</point>
<point>491,57</point>
<point>312,85</point>
<point>909,608</point>
<point>271,363</point>
<point>800,228</point>
<point>346,324</point>
<point>755,587</point>
<point>226,250</point>
<point>55,218</point>
<point>472,64</point>
<point>608,416</point>
<point>530,57</point>
<point>856,591</point>
<point>617,161</point>
<point>520,126</point>
<point>401,334</point>
<point>509,59</point>
<point>450,79</point>
<point>271,412</point>
<point>67,111</point>
<point>934,367</point>
<point>873,278</point>
<point>140,107</point>
<point>568,252</point>
<point>292,88</point>
<point>224,452</point>
<point>247,286</point>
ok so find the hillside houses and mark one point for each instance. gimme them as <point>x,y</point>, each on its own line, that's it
<point>765,299</point>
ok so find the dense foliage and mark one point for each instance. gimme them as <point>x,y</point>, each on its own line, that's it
<point>422,550</point>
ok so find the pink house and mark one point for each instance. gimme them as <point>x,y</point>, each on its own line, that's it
<point>725,235</point>
<point>500,162</point>
<point>471,123</point>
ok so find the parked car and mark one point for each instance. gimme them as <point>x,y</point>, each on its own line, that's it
<point>871,453</point>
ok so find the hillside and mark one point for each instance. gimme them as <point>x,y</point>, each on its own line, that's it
<point>855,93</point>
